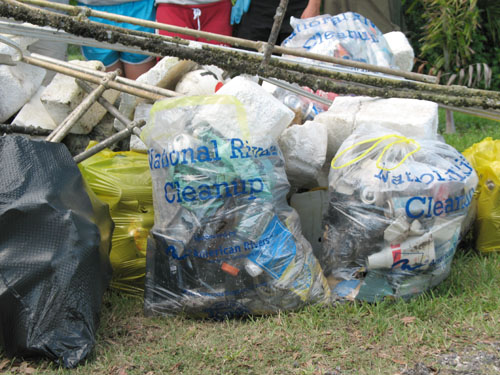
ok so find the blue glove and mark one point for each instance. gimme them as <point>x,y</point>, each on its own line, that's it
<point>238,9</point>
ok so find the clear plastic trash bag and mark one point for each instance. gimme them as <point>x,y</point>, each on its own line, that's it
<point>347,35</point>
<point>225,242</point>
<point>396,208</point>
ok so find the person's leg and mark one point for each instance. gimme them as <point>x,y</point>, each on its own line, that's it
<point>132,71</point>
<point>215,18</point>
<point>115,66</point>
<point>175,15</point>
<point>256,24</point>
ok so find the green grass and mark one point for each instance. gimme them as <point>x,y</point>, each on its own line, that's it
<point>469,130</point>
<point>74,53</point>
<point>351,338</point>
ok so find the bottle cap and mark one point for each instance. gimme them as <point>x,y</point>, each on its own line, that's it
<point>233,271</point>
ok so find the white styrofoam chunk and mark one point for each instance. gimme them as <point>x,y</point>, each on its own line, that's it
<point>403,52</point>
<point>34,113</point>
<point>410,117</point>
<point>63,95</point>
<point>154,77</point>
<point>19,82</point>
<point>267,117</point>
<point>340,120</point>
<point>310,206</point>
<point>304,149</point>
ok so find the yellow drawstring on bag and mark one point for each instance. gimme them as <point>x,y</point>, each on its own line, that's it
<point>377,140</point>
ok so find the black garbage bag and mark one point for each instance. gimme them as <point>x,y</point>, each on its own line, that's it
<point>54,253</point>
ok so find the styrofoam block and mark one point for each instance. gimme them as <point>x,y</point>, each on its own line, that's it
<point>267,117</point>
<point>402,50</point>
<point>410,117</point>
<point>310,206</point>
<point>340,120</point>
<point>304,150</point>
<point>19,82</point>
<point>63,95</point>
<point>34,113</point>
<point>154,77</point>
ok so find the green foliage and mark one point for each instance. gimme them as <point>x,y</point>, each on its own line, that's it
<point>460,32</point>
<point>449,32</point>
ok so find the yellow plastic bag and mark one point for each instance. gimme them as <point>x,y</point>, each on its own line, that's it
<point>123,181</point>
<point>485,158</point>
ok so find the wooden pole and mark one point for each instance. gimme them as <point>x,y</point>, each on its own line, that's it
<point>236,42</point>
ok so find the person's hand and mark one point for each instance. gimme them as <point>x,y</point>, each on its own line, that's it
<point>240,7</point>
<point>312,9</point>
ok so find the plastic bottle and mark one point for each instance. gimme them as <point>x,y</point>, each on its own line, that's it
<point>416,253</point>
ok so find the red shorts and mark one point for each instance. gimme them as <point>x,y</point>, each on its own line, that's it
<point>211,17</point>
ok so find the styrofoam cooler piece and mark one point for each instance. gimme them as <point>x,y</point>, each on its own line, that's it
<point>411,117</point>
<point>339,121</point>
<point>401,49</point>
<point>19,82</point>
<point>63,95</point>
<point>141,113</point>
<point>304,149</point>
<point>310,206</point>
<point>267,117</point>
<point>153,77</point>
<point>34,113</point>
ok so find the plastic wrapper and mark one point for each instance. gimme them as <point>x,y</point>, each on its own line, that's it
<point>123,181</point>
<point>396,208</point>
<point>485,158</point>
<point>347,35</point>
<point>224,243</point>
<point>54,253</point>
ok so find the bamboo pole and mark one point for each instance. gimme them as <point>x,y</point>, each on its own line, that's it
<point>91,78</point>
<point>275,30</point>
<point>239,61</point>
<point>97,73</point>
<point>236,42</point>
<point>122,134</point>
<point>225,58</point>
<point>64,127</point>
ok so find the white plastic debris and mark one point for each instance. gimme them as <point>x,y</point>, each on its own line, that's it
<point>199,82</point>
<point>267,117</point>
<point>304,150</point>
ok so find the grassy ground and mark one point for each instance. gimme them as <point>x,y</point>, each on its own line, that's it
<point>461,315</point>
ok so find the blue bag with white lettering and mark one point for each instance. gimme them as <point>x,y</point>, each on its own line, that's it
<point>397,209</point>
<point>347,35</point>
<point>224,242</point>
